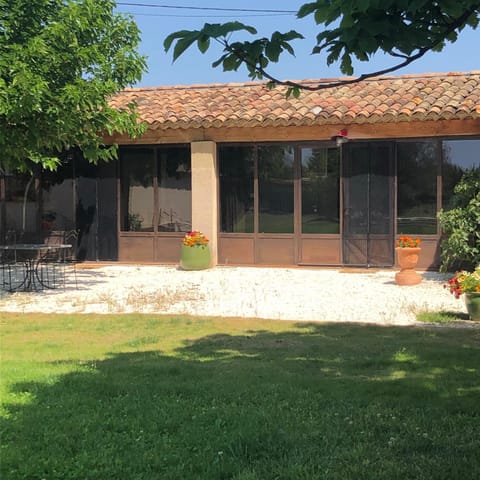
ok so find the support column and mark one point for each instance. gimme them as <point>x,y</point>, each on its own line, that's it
<point>204,193</point>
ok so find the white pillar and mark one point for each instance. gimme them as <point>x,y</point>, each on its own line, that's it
<point>204,193</point>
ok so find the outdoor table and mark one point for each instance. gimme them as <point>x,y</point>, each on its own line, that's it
<point>35,269</point>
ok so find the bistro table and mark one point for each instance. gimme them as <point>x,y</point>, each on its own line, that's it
<point>32,266</point>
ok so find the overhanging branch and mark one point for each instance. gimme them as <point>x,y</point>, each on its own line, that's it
<point>449,28</point>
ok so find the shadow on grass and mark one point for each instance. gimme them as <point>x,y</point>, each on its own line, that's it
<point>325,401</point>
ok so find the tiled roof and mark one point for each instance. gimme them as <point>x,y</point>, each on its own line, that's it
<point>385,99</point>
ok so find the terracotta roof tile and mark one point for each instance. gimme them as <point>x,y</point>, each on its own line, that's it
<point>380,100</point>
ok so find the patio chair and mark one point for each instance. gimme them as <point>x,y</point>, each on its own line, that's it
<point>51,264</point>
<point>70,254</point>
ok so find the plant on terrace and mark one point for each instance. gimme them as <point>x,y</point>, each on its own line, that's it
<point>463,282</point>
<point>407,242</point>
<point>195,239</point>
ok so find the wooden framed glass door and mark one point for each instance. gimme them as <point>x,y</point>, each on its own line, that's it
<point>368,205</point>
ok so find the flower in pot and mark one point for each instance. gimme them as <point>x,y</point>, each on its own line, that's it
<point>408,242</point>
<point>408,250</point>
<point>195,253</point>
<point>467,283</point>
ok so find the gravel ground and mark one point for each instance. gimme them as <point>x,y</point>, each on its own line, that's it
<point>304,294</point>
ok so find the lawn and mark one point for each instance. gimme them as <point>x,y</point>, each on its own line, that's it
<point>149,397</point>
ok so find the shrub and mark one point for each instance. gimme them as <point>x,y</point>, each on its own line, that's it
<point>461,225</point>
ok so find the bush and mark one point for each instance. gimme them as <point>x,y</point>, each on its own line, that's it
<point>461,225</point>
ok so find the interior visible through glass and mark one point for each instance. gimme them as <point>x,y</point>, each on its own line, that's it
<point>275,189</point>
<point>320,169</point>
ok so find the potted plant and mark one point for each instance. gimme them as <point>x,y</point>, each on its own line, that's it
<point>195,253</point>
<point>408,251</point>
<point>467,283</point>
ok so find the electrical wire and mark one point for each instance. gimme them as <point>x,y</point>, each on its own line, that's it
<point>218,9</point>
<point>209,15</point>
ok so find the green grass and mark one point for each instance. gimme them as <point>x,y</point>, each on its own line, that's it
<point>149,397</point>
<point>442,317</point>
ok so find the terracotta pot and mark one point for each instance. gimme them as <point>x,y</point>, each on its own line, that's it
<point>195,258</point>
<point>407,258</point>
<point>472,302</point>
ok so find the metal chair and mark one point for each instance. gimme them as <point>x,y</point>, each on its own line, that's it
<point>70,254</point>
<point>51,264</point>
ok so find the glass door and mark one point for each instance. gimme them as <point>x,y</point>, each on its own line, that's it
<point>368,205</point>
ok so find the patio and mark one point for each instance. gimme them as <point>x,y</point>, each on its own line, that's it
<point>305,294</point>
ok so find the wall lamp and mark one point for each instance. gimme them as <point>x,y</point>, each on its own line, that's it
<point>341,137</point>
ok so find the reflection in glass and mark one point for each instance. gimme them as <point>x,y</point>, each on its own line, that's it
<point>86,209</point>
<point>57,193</point>
<point>174,189</point>
<point>107,211</point>
<point>368,204</point>
<point>458,157</point>
<point>320,190</point>
<point>136,180</point>
<point>275,189</point>
<point>380,188</point>
<point>236,189</point>
<point>20,203</point>
<point>356,212</point>
<point>417,167</point>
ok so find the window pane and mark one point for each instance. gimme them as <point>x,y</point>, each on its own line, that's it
<point>174,189</point>
<point>236,189</point>
<point>320,190</point>
<point>57,198</point>
<point>275,189</point>
<point>86,174</point>
<point>107,211</point>
<point>20,205</point>
<point>136,177</point>
<point>458,157</point>
<point>417,166</point>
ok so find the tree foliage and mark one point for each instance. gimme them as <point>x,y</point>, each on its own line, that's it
<point>461,225</point>
<point>60,61</point>
<point>402,29</point>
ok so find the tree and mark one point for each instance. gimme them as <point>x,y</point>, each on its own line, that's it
<point>403,29</point>
<point>60,61</point>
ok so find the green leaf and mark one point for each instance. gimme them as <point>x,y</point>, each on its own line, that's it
<point>218,30</point>
<point>183,44</point>
<point>231,63</point>
<point>307,9</point>
<point>293,91</point>
<point>272,51</point>
<point>203,43</point>
<point>218,62</point>
<point>346,65</point>
<point>167,43</point>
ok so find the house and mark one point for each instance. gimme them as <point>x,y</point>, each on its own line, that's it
<point>331,178</point>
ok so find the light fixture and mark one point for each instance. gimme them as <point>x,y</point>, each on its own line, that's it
<point>341,137</point>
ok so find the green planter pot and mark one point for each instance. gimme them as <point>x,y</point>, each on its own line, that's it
<point>472,301</point>
<point>195,258</point>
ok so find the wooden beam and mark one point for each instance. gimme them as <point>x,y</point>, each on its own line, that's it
<point>361,131</point>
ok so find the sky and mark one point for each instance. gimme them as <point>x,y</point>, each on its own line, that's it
<point>156,22</point>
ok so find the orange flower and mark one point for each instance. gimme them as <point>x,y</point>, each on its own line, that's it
<point>407,242</point>
<point>195,238</point>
